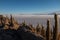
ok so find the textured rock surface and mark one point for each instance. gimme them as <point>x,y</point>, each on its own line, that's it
<point>19,34</point>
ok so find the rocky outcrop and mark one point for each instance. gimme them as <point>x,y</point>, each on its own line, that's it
<point>19,34</point>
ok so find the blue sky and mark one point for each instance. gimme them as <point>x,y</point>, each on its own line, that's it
<point>29,6</point>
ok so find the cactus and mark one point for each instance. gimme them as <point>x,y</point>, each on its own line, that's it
<point>51,34</point>
<point>48,30</point>
<point>31,26</point>
<point>38,29</point>
<point>2,22</point>
<point>24,24</point>
<point>11,21</point>
<point>43,31</point>
<point>55,30</point>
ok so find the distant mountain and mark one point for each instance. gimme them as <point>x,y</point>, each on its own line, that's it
<point>57,12</point>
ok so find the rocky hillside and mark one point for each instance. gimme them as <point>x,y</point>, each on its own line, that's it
<point>11,30</point>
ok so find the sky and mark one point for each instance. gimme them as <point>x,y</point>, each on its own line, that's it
<point>29,6</point>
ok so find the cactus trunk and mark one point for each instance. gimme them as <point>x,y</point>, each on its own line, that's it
<point>55,30</point>
<point>11,21</point>
<point>48,30</point>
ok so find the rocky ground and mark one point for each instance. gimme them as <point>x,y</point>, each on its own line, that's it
<point>19,34</point>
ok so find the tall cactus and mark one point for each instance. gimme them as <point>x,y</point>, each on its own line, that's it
<point>48,30</point>
<point>55,30</point>
<point>1,20</point>
<point>11,21</point>
<point>51,34</point>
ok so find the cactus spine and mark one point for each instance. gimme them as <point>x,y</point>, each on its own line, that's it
<point>55,30</point>
<point>48,30</point>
